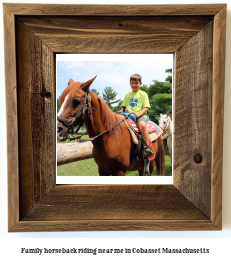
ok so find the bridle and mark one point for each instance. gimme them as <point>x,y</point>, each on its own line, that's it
<point>85,108</point>
<point>165,130</point>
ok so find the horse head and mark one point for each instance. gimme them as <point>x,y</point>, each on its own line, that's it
<point>75,101</point>
<point>164,121</point>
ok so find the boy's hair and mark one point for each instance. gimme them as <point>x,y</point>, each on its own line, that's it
<point>136,77</point>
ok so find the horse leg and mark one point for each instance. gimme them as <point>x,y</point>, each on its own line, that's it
<point>151,166</point>
<point>160,158</point>
<point>121,173</point>
<point>102,173</point>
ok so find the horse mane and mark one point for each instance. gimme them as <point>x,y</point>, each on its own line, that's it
<point>108,117</point>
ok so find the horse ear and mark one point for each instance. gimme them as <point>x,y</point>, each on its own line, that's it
<point>85,86</point>
<point>70,82</point>
<point>160,114</point>
<point>168,113</point>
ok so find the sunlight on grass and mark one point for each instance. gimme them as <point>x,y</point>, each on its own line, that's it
<point>89,167</point>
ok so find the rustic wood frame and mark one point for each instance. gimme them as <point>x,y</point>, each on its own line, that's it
<point>33,34</point>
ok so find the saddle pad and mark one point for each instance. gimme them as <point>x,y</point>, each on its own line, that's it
<point>154,130</point>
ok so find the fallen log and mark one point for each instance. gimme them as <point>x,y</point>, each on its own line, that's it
<point>70,152</point>
<point>83,132</point>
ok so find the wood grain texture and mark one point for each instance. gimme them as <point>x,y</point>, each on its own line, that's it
<point>193,119</point>
<point>114,225</point>
<point>114,10</point>
<point>115,34</point>
<point>218,115</point>
<point>11,116</point>
<point>91,208</point>
<point>36,106</point>
<point>98,202</point>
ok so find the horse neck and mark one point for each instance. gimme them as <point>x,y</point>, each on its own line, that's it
<point>101,119</point>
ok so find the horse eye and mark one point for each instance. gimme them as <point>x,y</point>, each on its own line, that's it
<point>76,102</point>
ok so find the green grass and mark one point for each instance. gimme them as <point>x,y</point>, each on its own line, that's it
<point>88,167</point>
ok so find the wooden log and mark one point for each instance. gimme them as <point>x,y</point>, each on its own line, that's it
<point>70,152</point>
<point>82,132</point>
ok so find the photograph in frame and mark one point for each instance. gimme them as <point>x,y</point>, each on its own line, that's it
<point>112,78</point>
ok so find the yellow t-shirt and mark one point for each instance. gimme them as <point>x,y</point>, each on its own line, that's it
<point>136,101</point>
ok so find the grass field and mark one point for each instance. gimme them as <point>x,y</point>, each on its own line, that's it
<point>89,168</point>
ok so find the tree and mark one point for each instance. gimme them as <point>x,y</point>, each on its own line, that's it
<point>160,100</point>
<point>168,70</point>
<point>159,87</point>
<point>144,88</point>
<point>58,104</point>
<point>109,96</point>
<point>118,107</point>
<point>160,103</point>
<point>95,91</point>
<point>169,78</point>
<point>160,97</point>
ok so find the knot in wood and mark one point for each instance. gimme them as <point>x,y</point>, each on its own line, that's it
<point>198,158</point>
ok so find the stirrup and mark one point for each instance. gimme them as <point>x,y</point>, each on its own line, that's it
<point>148,152</point>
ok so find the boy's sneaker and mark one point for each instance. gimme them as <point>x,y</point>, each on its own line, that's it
<point>148,153</point>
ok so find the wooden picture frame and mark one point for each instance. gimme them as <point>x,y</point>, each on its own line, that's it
<point>34,33</point>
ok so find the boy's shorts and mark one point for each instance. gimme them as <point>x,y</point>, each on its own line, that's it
<point>140,119</point>
<point>132,116</point>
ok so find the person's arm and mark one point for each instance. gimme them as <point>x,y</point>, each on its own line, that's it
<point>123,109</point>
<point>141,113</point>
<point>123,104</point>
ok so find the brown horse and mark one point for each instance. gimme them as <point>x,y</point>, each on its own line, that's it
<point>112,146</point>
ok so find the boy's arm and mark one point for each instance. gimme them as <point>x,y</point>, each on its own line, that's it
<point>123,105</point>
<point>141,113</point>
<point>123,109</point>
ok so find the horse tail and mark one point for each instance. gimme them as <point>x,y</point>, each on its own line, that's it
<point>160,158</point>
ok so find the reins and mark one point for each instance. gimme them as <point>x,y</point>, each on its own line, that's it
<point>70,123</point>
<point>91,139</point>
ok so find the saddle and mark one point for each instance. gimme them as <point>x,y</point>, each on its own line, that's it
<point>153,129</point>
<point>154,132</point>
